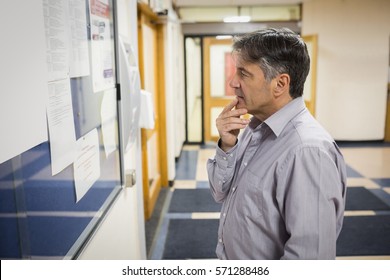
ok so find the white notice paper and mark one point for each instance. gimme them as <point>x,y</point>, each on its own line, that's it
<point>79,56</point>
<point>61,126</point>
<point>87,165</point>
<point>57,49</point>
<point>130,93</point>
<point>109,127</point>
<point>23,95</point>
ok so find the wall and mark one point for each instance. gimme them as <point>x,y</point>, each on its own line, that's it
<point>180,93</point>
<point>121,235</point>
<point>352,70</point>
<point>174,88</point>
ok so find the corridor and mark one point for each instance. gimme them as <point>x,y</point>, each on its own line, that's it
<point>187,227</point>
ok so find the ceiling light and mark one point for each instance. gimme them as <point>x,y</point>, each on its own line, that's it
<point>223,37</point>
<point>237,19</point>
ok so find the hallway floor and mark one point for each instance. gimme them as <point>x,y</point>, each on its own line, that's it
<point>187,225</point>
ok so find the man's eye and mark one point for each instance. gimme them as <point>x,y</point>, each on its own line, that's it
<point>243,73</point>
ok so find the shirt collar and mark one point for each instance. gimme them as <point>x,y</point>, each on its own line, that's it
<point>282,117</point>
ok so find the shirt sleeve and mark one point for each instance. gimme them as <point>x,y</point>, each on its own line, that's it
<point>220,170</point>
<point>310,194</point>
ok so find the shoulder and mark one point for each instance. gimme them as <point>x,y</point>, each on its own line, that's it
<point>307,131</point>
<point>308,139</point>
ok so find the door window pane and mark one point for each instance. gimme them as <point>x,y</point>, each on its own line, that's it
<point>221,70</point>
<point>194,90</point>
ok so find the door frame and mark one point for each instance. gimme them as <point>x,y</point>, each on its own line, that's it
<point>201,142</point>
<point>208,101</point>
<point>151,192</point>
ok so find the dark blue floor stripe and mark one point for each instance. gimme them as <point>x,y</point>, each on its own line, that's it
<point>186,165</point>
<point>193,200</point>
<point>383,182</point>
<point>364,236</point>
<point>352,173</point>
<point>202,185</point>
<point>363,144</point>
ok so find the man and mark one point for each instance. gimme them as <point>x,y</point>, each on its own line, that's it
<point>283,181</point>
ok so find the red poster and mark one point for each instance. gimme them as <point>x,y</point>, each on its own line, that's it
<point>229,72</point>
<point>99,8</point>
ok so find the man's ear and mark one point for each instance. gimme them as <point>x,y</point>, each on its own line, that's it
<point>282,84</point>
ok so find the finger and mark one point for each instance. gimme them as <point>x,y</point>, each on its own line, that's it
<point>234,120</point>
<point>230,106</point>
<point>228,126</point>
<point>231,127</point>
<point>235,113</point>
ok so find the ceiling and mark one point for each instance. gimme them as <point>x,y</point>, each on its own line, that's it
<point>200,3</point>
<point>197,11</point>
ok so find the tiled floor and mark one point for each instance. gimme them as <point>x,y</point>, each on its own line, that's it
<point>368,166</point>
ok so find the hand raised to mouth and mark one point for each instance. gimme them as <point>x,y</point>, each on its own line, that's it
<point>229,123</point>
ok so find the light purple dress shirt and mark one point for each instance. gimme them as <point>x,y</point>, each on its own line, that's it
<point>283,188</point>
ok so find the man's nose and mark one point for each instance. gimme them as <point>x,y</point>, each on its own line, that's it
<point>234,81</point>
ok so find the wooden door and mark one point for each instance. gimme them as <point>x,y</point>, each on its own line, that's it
<point>218,69</point>
<point>151,50</point>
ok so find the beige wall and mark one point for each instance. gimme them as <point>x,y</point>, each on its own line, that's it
<point>352,71</point>
<point>174,88</point>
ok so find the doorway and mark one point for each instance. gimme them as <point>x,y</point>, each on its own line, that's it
<point>151,48</point>
<point>218,70</point>
<point>194,89</point>
<point>209,67</point>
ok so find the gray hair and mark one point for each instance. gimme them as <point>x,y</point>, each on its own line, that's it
<point>276,51</point>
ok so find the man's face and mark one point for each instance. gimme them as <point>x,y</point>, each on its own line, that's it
<point>251,88</point>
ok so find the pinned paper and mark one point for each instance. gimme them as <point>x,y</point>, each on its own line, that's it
<point>147,110</point>
<point>61,126</point>
<point>130,93</point>
<point>87,165</point>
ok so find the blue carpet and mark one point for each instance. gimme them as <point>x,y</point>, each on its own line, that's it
<point>186,165</point>
<point>191,239</point>
<point>364,236</point>
<point>383,182</point>
<point>360,236</point>
<point>193,200</point>
<point>360,198</point>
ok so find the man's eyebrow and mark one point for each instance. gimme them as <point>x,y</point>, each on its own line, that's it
<point>241,68</point>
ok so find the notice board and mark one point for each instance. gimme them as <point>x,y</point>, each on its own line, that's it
<point>60,166</point>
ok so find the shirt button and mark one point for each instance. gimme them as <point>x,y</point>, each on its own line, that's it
<point>220,240</point>
<point>245,163</point>
<point>224,214</point>
<point>231,155</point>
<point>224,158</point>
<point>234,189</point>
